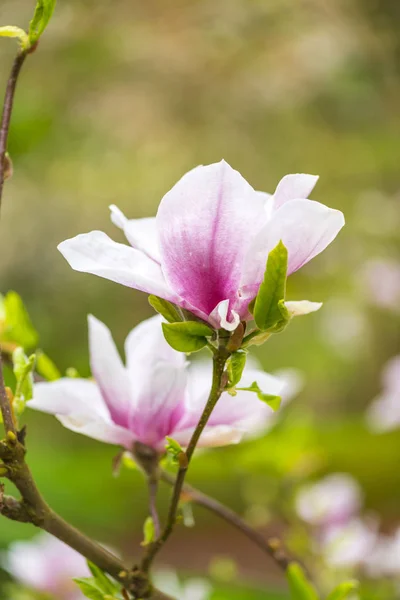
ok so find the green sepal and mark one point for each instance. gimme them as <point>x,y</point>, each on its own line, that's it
<point>17,327</point>
<point>15,32</point>
<point>189,336</point>
<point>22,367</point>
<point>273,402</point>
<point>169,311</point>
<point>235,367</point>
<point>46,368</point>
<point>41,18</point>
<point>300,587</point>
<point>342,591</point>
<point>149,532</point>
<point>267,312</point>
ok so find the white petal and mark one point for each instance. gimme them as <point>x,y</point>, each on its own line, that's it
<point>305,227</point>
<point>212,436</point>
<point>109,372</point>
<point>291,187</point>
<point>96,253</point>
<point>302,307</point>
<point>140,233</point>
<point>101,430</point>
<point>68,395</point>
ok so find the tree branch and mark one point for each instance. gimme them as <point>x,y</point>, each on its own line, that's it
<point>273,547</point>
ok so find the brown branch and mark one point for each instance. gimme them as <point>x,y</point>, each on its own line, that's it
<point>273,547</point>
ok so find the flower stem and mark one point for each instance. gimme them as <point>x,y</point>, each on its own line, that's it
<point>218,384</point>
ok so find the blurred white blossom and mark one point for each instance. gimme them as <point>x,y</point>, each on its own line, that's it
<point>384,412</point>
<point>191,589</point>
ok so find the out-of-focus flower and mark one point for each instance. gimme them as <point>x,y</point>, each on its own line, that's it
<point>380,282</point>
<point>384,560</point>
<point>349,545</point>
<point>155,395</point>
<point>330,502</point>
<point>47,565</point>
<point>192,589</point>
<point>343,327</point>
<point>384,412</point>
<point>206,250</point>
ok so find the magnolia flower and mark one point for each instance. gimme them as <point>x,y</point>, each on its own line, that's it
<point>192,589</point>
<point>379,281</point>
<point>384,560</point>
<point>349,545</point>
<point>384,413</point>
<point>206,249</point>
<point>47,565</point>
<point>330,502</point>
<point>155,395</point>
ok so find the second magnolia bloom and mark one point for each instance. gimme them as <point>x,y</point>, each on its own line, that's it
<point>157,394</point>
<point>207,248</point>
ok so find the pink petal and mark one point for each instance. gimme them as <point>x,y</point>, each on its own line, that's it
<point>96,253</point>
<point>109,372</point>
<point>292,187</point>
<point>204,224</point>
<point>140,233</point>
<point>212,437</point>
<point>99,430</point>
<point>305,227</point>
<point>223,317</point>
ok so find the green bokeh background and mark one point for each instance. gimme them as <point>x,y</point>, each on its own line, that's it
<point>118,102</point>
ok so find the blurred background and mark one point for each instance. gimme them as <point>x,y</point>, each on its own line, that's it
<point>119,101</point>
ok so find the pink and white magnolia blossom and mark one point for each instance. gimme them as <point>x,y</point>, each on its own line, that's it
<point>384,412</point>
<point>206,249</point>
<point>330,502</point>
<point>157,394</point>
<point>47,565</point>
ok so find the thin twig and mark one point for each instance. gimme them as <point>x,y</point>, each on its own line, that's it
<point>219,361</point>
<point>7,111</point>
<point>272,546</point>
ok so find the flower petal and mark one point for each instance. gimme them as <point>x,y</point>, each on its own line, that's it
<point>204,224</point>
<point>140,233</point>
<point>298,308</point>
<point>290,187</point>
<point>79,406</point>
<point>212,437</point>
<point>219,316</point>
<point>96,253</point>
<point>67,395</point>
<point>98,429</point>
<point>109,372</point>
<point>304,226</point>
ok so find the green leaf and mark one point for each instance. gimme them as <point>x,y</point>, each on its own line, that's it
<point>272,290</point>
<point>89,588</point>
<point>148,531</point>
<point>189,336</point>
<point>273,401</point>
<point>103,582</point>
<point>18,327</point>
<point>46,368</point>
<point>300,587</point>
<point>235,367</point>
<point>23,367</point>
<point>43,13</point>
<point>173,448</point>
<point>168,310</point>
<point>15,32</point>
<point>343,590</point>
